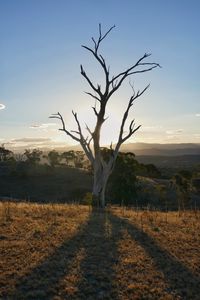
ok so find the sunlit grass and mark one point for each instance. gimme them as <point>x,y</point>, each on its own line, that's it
<point>58,251</point>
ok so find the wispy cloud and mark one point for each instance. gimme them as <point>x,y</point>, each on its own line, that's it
<point>2,106</point>
<point>174,132</point>
<point>31,140</point>
<point>197,115</point>
<point>44,126</point>
<point>196,135</point>
<point>19,144</point>
<point>151,128</point>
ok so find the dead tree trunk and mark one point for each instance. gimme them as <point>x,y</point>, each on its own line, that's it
<point>99,184</point>
<point>103,168</point>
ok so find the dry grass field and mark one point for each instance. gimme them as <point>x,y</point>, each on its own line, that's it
<point>70,252</point>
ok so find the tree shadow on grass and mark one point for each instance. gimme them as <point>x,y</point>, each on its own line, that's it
<point>98,238</point>
<point>181,280</point>
<point>96,268</point>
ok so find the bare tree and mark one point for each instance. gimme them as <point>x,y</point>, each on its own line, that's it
<point>91,144</point>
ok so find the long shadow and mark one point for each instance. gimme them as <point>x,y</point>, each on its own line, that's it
<point>42,280</point>
<point>99,237</point>
<point>98,267</point>
<point>181,280</point>
<point>96,270</point>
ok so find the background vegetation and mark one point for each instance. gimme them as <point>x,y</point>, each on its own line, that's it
<point>65,177</point>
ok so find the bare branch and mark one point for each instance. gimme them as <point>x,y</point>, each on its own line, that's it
<point>78,124</point>
<point>85,145</point>
<point>74,131</point>
<point>132,128</point>
<point>95,111</point>
<point>93,96</point>
<point>131,68</point>
<point>131,132</point>
<point>140,93</point>
<point>132,87</point>
<point>59,116</point>
<point>145,70</point>
<point>88,129</point>
<point>150,64</point>
<point>83,141</point>
<point>101,38</point>
<point>118,79</point>
<point>100,59</point>
<point>102,62</point>
<point>83,73</point>
<point>88,145</point>
<point>95,44</point>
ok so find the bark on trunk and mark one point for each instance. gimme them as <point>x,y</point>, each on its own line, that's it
<point>101,175</point>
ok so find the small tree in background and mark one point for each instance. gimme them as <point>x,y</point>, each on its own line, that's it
<point>79,159</point>
<point>5,154</point>
<point>102,169</point>
<point>54,158</point>
<point>33,156</point>
<point>68,156</point>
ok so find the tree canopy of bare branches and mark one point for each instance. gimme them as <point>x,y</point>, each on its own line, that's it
<point>91,143</point>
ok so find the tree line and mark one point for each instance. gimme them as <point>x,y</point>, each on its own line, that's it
<point>76,159</point>
<point>36,156</point>
<point>129,183</point>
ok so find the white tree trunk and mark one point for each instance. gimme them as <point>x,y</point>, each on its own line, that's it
<point>101,175</point>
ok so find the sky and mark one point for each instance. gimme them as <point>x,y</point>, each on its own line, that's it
<point>41,53</point>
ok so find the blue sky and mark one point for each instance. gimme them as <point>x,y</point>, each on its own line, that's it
<point>41,52</point>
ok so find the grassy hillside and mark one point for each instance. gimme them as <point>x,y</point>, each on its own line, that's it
<point>59,185</point>
<point>69,252</point>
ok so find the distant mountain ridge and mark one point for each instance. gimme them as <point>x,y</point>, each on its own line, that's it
<point>162,149</point>
<point>143,149</point>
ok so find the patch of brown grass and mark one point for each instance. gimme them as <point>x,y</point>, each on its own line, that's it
<point>30,233</point>
<point>68,252</point>
<point>163,249</point>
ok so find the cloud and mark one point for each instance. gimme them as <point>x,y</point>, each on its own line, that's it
<point>196,135</point>
<point>20,144</point>
<point>174,132</point>
<point>197,115</point>
<point>173,138</point>
<point>2,106</point>
<point>44,127</point>
<point>31,140</point>
<point>151,128</point>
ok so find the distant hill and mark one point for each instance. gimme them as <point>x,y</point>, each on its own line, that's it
<point>154,149</point>
<point>162,149</point>
<point>164,156</point>
<point>143,149</point>
<point>172,162</point>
